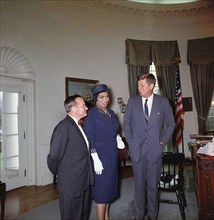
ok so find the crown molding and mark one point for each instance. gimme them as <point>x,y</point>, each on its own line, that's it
<point>125,6</point>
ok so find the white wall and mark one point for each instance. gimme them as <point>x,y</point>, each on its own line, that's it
<point>72,39</point>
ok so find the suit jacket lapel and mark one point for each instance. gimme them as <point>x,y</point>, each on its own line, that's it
<point>153,113</point>
<point>76,127</point>
<point>141,110</point>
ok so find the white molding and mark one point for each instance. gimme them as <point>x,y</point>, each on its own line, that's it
<point>14,64</point>
<point>125,6</point>
<point>47,179</point>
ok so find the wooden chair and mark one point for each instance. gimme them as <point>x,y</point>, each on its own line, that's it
<point>172,180</point>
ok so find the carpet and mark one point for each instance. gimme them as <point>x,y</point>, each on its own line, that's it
<point>121,209</point>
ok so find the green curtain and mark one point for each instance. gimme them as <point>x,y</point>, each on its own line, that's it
<point>202,77</point>
<point>138,52</point>
<point>165,53</point>
<point>200,57</point>
<point>200,51</point>
<point>133,72</point>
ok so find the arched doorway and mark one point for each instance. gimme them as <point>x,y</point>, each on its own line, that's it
<point>16,119</point>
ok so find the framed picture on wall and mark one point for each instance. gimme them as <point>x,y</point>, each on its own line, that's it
<point>81,87</point>
<point>187,104</point>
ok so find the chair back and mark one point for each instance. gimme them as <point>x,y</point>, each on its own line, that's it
<point>172,180</point>
<point>172,171</point>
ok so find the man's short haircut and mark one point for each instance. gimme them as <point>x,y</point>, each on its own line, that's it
<point>150,78</point>
<point>70,101</point>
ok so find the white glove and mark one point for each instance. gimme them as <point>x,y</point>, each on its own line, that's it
<point>120,143</point>
<point>98,167</point>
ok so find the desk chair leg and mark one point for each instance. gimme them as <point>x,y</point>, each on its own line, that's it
<point>183,198</point>
<point>158,203</point>
<point>3,197</point>
<point>181,205</point>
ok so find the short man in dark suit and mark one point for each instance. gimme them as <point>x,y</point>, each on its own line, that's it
<point>69,159</point>
<point>147,129</point>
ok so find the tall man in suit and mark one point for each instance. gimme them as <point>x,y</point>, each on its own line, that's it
<point>69,159</point>
<point>147,129</point>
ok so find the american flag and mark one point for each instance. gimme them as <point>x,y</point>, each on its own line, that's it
<point>179,111</point>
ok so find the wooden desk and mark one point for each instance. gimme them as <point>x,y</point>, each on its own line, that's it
<point>193,148</point>
<point>205,185</point>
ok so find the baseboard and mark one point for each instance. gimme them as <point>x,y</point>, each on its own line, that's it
<point>47,180</point>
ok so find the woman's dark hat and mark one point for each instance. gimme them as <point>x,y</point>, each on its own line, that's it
<point>98,89</point>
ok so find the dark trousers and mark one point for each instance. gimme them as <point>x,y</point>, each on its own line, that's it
<point>74,207</point>
<point>147,176</point>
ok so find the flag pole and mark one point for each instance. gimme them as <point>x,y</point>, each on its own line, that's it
<point>182,139</point>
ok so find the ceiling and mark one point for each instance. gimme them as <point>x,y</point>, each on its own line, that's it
<point>169,2</point>
<point>157,7</point>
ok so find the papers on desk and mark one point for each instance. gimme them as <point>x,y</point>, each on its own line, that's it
<point>208,149</point>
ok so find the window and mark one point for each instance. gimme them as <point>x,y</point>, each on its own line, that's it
<point>210,119</point>
<point>153,71</point>
<point>9,142</point>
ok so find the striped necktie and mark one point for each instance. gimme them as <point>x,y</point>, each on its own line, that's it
<point>146,110</point>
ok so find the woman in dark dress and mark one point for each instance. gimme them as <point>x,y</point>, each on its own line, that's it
<point>101,127</point>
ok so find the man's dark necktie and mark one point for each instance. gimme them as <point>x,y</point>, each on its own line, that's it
<point>146,110</point>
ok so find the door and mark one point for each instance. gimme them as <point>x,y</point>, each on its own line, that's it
<point>12,136</point>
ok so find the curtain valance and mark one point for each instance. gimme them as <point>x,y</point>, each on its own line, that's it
<point>142,52</point>
<point>200,51</point>
<point>165,53</point>
<point>138,52</point>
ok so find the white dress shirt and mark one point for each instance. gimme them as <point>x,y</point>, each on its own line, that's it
<point>83,133</point>
<point>149,102</point>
